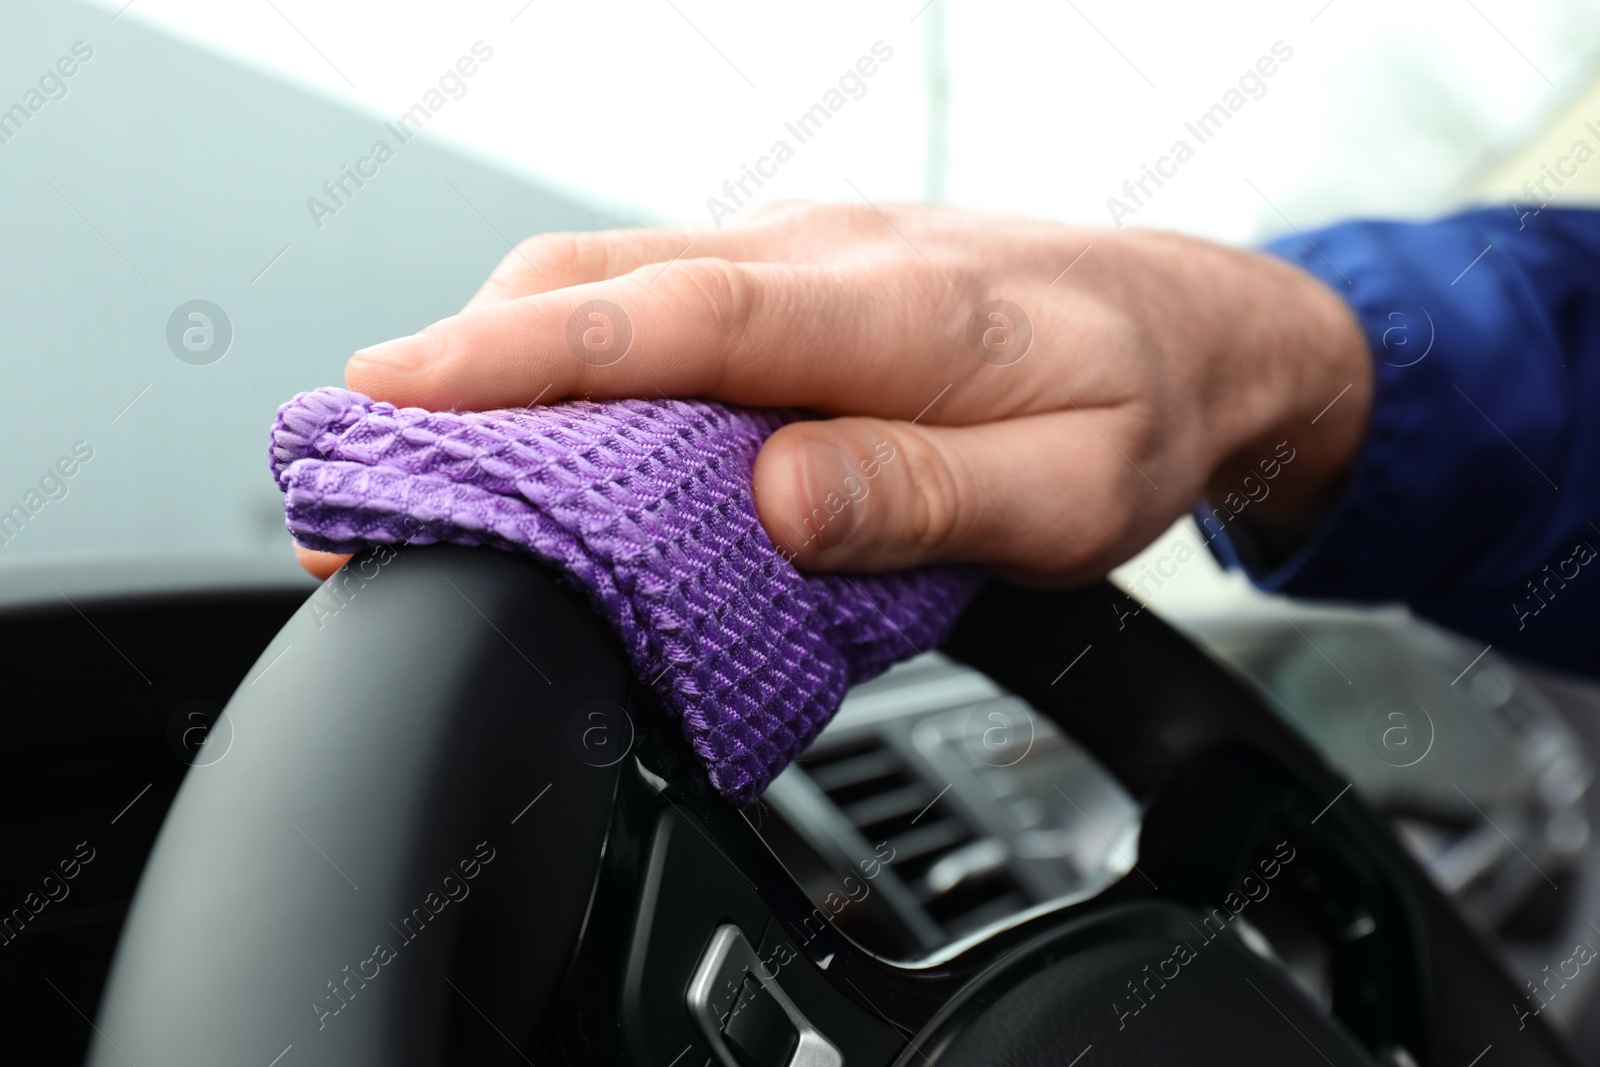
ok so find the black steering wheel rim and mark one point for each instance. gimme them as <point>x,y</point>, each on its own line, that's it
<point>395,723</point>
<point>429,704</point>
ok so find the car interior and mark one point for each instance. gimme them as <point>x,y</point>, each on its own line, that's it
<point>424,812</point>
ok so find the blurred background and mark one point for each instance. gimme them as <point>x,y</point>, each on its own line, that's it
<point>178,163</point>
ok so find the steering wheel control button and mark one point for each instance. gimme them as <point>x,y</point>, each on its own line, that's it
<point>744,1013</point>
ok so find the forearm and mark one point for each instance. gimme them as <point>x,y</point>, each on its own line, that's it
<point>1473,494</point>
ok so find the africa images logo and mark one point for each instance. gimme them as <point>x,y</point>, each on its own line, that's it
<point>52,86</point>
<point>342,187</point>
<point>1143,988</point>
<point>1252,85</point>
<point>805,126</point>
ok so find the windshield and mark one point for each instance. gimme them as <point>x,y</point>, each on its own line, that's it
<point>210,206</point>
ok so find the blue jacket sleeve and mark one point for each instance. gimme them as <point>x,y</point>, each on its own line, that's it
<point>1476,498</point>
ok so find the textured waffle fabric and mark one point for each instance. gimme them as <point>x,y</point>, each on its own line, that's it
<point>645,505</point>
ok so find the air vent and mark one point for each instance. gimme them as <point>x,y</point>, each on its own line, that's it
<point>980,834</point>
<point>959,876</point>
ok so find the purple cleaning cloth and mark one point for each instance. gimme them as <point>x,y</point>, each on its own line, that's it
<point>646,506</point>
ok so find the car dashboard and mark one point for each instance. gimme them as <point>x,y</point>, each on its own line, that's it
<point>935,811</point>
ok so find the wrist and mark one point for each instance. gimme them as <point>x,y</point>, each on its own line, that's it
<point>1299,395</point>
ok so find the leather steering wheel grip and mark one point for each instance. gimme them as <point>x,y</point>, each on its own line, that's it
<point>363,876</point>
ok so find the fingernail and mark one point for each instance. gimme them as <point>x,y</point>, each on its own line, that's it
<point>830,496</point>
<point>403,353</point>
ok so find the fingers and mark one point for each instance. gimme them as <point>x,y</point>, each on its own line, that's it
<point>752,333</point>
<point>553,261</point>
<point>319,564</point>
<point>1045,494</point>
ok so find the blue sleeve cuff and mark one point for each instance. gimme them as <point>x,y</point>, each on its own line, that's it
<point>1478,471</point>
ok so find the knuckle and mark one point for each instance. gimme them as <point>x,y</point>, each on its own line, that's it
<point>968,287</point>
<point>934,495</point>
<point>560,255</point>
<point>861,218</point>
<point>769,212</point>
<point>946,300</point>
<point>722,291</point>
<point>809,216</point>
<point>812,211</point>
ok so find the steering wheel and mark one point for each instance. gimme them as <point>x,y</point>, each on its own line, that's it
<point>447,825</point>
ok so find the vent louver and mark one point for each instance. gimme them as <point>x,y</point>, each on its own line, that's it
<point>958,875</point>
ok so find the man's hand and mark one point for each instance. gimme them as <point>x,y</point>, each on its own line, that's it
<point>1032,396</point>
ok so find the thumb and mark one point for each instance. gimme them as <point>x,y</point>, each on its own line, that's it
<point>863,494</point>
